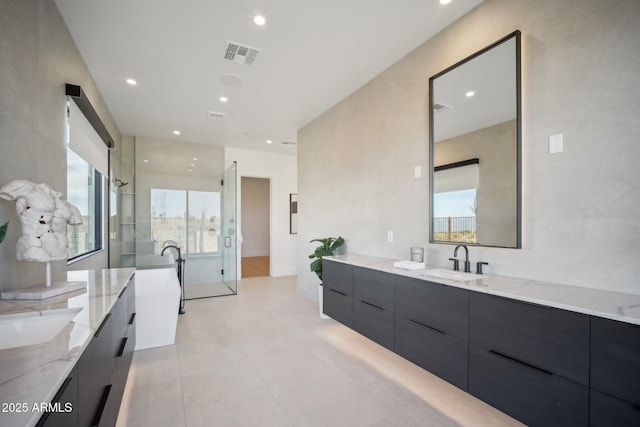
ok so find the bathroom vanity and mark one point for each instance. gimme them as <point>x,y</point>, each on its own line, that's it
<point>76,373</point>
<point>546,354</point>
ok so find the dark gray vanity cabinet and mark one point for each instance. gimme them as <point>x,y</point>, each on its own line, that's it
<point>373,305</point>
<point>127,342</point>
<point>95,368</point>
<point>96,384</point>
<point>529,361</point>
<point>531,395</point>
<point>431,327</point>
<point>615,373</point>
<point>66,400</point>
<point>337,291</point>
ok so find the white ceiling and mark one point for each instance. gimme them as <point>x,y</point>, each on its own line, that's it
<point>313,54</point>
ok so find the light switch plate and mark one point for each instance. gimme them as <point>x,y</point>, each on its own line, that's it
<point>556,144</point>
<point>390,236</point>
<point>417,171</point>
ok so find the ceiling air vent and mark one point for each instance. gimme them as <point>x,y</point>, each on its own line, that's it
<point>240,54</point>
<point>438,108</point>
<point>291,143</point>
<point>215,115</point>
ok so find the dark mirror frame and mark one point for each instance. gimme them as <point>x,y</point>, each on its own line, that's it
<point>518,70</point>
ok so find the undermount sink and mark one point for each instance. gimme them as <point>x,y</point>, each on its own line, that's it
<point>450,275</point>
<point>22,329</point>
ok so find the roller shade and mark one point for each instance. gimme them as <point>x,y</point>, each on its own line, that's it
<point>85,141</point>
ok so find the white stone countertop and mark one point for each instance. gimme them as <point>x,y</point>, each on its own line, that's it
<point>595,302</point>
<point>32,374</point>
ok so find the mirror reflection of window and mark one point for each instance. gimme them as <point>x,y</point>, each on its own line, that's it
<point>454,204</point>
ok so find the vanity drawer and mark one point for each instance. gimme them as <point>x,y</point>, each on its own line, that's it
<point>337,305</point>
<point>337,276</point>
<point>373,287</point>
<point>95,369</point>
<point>67,399</point>
<point>551,339</point>
<point>439,306</point>
<point>606,411</point>
<point>373,322</point>
<point>615,358</point>
<point>535,397</point>
<point>438,352</point>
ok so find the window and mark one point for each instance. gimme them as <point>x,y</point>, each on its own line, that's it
<point>84,191</point>
<point>189,218</point>
<point>87,161</point>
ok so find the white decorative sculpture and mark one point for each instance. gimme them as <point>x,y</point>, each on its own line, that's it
<point>44,217</point>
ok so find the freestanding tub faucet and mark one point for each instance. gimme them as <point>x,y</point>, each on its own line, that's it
<point>467,264</point>
<point>180,270</point>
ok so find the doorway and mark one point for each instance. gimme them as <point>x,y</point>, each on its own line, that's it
<point>255,202</point>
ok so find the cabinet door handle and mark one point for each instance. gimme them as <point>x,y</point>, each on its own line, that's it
<point>56,399</point>
<point>422,325</point>
<point>504,356</point>
<point>338,292</point>
<point>133,318</point>
<point>123,344</point>
<point>104,322</point>
<point>122,292</point>
<point>103,403</point>
<point>372,305</point>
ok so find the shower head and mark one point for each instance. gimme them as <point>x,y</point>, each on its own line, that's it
<point>119,183</point>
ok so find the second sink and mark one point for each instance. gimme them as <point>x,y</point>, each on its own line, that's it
<point>450,275</point>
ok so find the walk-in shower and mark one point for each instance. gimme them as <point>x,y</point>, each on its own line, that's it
<point>184,195</point>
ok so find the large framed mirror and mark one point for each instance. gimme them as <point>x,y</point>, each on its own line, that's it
<point>475,148</point>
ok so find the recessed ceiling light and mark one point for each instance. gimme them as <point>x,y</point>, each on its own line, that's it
<point>146,161</point>
<point>192,165</point>
<point>223,99</point>
<point>195,158</point>
<point>269,141</point>
<point>132,82</point>
<point>469,94</point>
<point>445,1</point>
<point>259,20</point>
<point>176,132</point>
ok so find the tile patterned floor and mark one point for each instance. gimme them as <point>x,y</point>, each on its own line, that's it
<point>265,358</point>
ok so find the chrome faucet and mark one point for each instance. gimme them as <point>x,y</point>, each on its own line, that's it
<point>467,264</point>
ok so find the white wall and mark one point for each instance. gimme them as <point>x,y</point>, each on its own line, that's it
<point>281,169</point>
<point>581,221</point>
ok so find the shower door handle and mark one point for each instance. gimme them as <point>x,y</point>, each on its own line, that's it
<point>227,242</point>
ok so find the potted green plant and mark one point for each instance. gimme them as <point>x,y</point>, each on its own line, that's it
<point>327,248</point>
<point>3,231</point>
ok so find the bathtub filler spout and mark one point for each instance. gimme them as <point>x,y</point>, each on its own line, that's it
<point>180,270</point>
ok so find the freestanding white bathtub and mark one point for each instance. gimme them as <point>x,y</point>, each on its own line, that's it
<point>157,304</point>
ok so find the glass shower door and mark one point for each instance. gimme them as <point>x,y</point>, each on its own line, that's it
<point>229,229</point>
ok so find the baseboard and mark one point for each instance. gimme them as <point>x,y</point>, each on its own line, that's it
<point>277,272</point>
